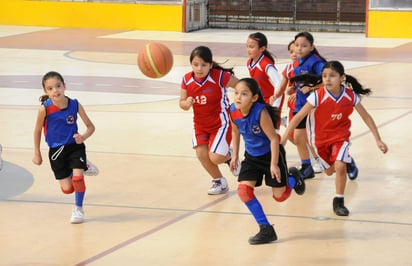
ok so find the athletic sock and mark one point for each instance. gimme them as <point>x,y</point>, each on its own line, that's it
<point>256,209</point>
<point>307,162</point>
<point>79,196</point>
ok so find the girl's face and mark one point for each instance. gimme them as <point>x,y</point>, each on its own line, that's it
<point>200,67</point>
<point>332,79</point>
<point>303,47</point>
<point>54,88</point>
<point>244,99</point>
<point>253,50</point>
<point>292,53</point>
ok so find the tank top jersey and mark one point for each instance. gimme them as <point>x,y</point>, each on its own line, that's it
<point>256,141</point>
<point>60,124</point>
<point>288,72</point>
<point>258,72</point>
<point>312,64</point>
<point>329,120</point>
<point>211,105</point>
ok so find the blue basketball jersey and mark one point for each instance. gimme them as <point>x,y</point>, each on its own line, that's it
<point>60,124</point>
<point>256,141</point>
<point>311,64</point>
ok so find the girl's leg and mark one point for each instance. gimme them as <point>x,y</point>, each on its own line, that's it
<point>219,183</point>
<point>80,189</point>
<point>340,184</point>
<point>267,232</point>
<point>301,141</point>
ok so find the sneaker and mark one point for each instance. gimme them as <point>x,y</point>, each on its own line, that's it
<point>235,172</point>
<point>352,169</point>
<point>300,186</point>
<point>266,234</point>
<point>339,207</point>
<point>77,215</point>
<point>219,186</point>
<point>92,169</point>
<point>1,160</point>
<point>306,171</point>
<point>316,165</point>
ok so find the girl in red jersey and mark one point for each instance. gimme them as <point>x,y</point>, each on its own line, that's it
<point>328,125</point>
<point>261,66</point>
<point>204,89</point>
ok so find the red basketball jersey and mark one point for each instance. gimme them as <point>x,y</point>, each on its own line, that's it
<point>257,71</point>
<point>211,105</point>
<point>329,120</point>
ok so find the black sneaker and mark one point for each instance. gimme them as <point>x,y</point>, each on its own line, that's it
<point>352,169</point>
<point>339,207</point>
<point>306,171</point>
<point>266,234</point>
<point>300,186</point>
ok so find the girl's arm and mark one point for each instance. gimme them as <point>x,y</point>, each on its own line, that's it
<point>41,115</point>
<point>235,146</point>
<point>232,82</point>
<point>282,88</point>
<point>269,130</point>
<point>80,138</point>
<point>295,121</point>
<point>185,102</point>
<point>367,118</point>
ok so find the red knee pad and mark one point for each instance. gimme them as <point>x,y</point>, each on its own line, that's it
<point>78,183</point>
<point>285,195</point>
<point>69,191</point>
<point>245,193</point>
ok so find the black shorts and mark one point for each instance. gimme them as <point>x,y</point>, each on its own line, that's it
<point>302,124</point>
<point>255,168</point>
<point>65,158</point>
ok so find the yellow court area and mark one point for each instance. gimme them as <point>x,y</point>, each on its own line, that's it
<point>149,203</point>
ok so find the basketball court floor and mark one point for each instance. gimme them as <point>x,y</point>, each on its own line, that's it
<point>149,203</point>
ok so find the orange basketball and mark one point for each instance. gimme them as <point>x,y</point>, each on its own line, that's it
<point>155,60</point>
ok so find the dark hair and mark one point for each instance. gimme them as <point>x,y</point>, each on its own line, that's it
<point>290,44</point>
<point>311,40</point>
<point>51,74</point>
<point>206,54</point>
<point>255,89</point>
<point>262,41</point>
<point>351,81</point>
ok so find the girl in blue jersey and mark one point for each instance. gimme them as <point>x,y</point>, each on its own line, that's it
<point>310,62</point>
<point>67,153</point>
<point>256,120</point>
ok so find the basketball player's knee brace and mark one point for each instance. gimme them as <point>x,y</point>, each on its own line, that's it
<point>245,193</point>
<point>78,183</point>
<point>68,191</point>
<point>285,195</point>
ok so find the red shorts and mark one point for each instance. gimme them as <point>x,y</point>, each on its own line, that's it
<point>217,139</point>
<point>333,151</point>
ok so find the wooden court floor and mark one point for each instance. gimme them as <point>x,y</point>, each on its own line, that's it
<point>149,203</point>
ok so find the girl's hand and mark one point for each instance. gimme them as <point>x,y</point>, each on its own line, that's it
<point>190,100</point>
<point>305,89</point>
<point>382,146</point>
<point>37,159</point>
<point>275,171</point>
<point>79,138</point>
<point>233,163</point>
<point>272,100</point>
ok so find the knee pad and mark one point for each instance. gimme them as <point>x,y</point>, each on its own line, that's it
<point>69,191</point>
<point>285,195</point>
<point>245,193</point>
<point>78,183</point>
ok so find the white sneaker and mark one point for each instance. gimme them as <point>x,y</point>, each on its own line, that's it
<point>316,165</point>
<point>284,121</point>
<point>1,160</point>
<point>219,186</point>
<point>236,171</point>
<point>77,215</point>
<point>92,169</point>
